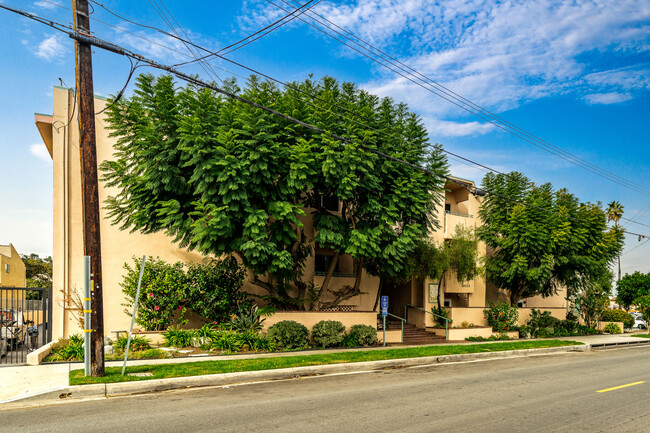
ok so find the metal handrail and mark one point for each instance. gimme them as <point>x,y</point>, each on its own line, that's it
<point>402,320</point>
<point>447,320</point>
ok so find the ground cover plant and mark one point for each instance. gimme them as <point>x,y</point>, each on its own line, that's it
<point>71,349</point>
<point>159,371</point>
<point>541,324</point>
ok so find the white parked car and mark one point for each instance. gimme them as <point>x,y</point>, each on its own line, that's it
<point>639,323</point>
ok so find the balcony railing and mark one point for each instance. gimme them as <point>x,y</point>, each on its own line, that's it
<point>460,214</point>
<point>336,274</point>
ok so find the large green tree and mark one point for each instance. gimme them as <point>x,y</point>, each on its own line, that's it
<point>631,287</point>
<point>221,176</point>
<point>543,239</point>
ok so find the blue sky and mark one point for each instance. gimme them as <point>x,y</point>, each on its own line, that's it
<point>575,73</point>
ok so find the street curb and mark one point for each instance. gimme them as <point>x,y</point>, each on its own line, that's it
<point>95,391</point>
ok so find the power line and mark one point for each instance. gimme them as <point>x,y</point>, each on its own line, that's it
<point>463,103</point>
<point>312,96</point>
<point>100,43</point>
<point>635,222</point>
<point>289,17</point>
<point>159,11</point>
<point>640,245</point>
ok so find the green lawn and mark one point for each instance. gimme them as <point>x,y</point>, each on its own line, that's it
<point>160,371</point>
<point>642,335</point>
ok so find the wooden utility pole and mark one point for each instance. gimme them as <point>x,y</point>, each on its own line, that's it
<point>92,241</point>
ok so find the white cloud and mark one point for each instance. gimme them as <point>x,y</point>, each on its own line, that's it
<point>47,4</point>
<point>51,48</point>
<point>607,98</point>
<point>499,54</point>
<point>447,128</point>
<point>40,151</point>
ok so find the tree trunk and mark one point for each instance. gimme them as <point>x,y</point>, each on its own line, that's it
<point>441,282</point>
<point>326,281</point>
<point>381,285</point>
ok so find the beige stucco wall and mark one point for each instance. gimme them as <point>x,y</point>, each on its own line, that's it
<point>477,317</point>
<point>118,246</point>
<point>16,275</point>
<point>310,318</point>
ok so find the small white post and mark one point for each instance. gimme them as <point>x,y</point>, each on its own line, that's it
<point>135,309</point>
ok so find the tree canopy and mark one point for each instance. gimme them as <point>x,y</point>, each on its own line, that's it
<point>542,239</point>
<point>632,287</point>
<point>223,177</point>
<point>38,271</point>
<point>458,257</point>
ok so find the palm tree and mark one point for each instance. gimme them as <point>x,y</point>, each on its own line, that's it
<point>615,213</point>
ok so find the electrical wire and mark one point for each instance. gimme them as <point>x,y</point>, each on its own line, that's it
<point>640,245</point>
<point>463,103</point>
<point>197,82</point>
<point>254,71</point>
<point>289,17</point>
<point>159,11</point>
<point>121,92</point>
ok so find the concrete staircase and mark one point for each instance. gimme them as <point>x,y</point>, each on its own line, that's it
<point>414,335</point>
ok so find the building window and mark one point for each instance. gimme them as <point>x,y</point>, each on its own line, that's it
<point>322,262</point>
<point>447,207</point>
<point>330,202</point>
<point>521,304</point>
<point>7,267</point>
<point>447,303</point>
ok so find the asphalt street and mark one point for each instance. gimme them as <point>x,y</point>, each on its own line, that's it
<point>600,391</point>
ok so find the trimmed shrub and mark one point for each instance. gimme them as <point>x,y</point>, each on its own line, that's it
<point>612,328</point>
<point>365,335</point>
<point>617,316</point>
<point>328,333</point>
<point>289,335</point>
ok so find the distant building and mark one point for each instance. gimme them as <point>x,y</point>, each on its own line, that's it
<point>12,268</point>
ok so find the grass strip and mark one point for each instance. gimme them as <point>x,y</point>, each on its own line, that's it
<point>161,371</point>
<point>642,335</point>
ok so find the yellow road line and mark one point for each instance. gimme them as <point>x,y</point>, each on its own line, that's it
<point>622,386</point>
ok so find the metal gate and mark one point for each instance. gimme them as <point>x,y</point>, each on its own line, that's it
<point>25,322</point>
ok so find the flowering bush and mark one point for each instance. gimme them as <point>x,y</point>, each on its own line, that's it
<point>212,289</point>
<point>501,316</point>
<point>163,292</point>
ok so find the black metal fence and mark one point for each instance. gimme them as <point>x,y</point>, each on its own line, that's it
<point>25,322</point>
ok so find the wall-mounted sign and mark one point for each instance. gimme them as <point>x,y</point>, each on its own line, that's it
<point>433,293</point>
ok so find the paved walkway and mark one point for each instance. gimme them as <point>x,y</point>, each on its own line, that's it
<point>22,381</point>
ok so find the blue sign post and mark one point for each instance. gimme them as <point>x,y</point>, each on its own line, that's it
<point>384,313</point>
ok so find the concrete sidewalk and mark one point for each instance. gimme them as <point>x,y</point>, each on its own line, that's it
<point>21,382</point>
